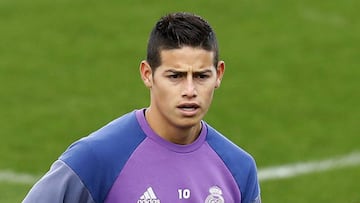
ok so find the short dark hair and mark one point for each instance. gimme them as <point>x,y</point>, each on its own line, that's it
<point>180,29</point>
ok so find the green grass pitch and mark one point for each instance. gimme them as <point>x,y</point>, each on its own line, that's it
<point>290,92</point>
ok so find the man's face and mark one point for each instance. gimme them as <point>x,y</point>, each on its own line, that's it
<point>182,87</point>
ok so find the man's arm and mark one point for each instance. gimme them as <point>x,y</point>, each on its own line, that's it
<point>60,185</point>
<point>253,187</point>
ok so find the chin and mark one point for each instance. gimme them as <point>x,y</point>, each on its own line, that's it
<point>189,123</point>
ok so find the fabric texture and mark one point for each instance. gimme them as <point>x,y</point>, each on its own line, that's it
<point>126,161</point>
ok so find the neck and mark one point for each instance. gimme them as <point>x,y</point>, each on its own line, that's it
<point>171,132</point>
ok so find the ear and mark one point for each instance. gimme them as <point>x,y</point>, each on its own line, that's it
<point>146,73</point>
<point>220,70</point>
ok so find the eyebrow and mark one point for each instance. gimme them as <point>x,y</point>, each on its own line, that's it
<point>183,72</point>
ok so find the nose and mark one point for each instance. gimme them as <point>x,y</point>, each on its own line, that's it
<point>189,88</point>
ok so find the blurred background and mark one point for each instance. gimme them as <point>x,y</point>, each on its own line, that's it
<point>290,92</point>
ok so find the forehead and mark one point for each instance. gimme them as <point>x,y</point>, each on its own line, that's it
<point>186,58</point>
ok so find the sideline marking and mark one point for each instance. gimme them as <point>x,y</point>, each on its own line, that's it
<point>10,176</point>
<point>316,16</point>
<point>291,170</point>
<point>264,174</point>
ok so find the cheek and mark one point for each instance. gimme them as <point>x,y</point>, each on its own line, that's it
<point>207,95</point>
<point>163,93</point>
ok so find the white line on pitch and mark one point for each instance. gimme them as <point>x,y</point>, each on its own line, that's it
<point>13,177</point>
<point>291,170</point>
<point>265,174</point>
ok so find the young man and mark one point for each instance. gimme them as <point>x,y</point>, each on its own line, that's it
<point>166,152</point>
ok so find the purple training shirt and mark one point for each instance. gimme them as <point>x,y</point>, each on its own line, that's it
<point>127,162</point>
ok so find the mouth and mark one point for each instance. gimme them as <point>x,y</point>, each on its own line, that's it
<point>189,107</point>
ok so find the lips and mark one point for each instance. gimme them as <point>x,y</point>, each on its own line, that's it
<point>189,107</point>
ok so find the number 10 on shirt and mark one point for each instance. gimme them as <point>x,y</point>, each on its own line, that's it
<point>184,193</point>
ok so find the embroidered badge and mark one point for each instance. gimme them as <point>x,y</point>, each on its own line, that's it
<point>215,195</point>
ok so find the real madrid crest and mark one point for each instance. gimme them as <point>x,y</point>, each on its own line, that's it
<point>215,195</point>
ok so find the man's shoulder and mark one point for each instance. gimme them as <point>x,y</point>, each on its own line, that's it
<point>98,158</point>
<point>239,162</point>
<point>113,139</point>
<point>231,153</point>
<point>117,128</point>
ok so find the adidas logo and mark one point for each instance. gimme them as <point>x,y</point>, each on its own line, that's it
<point>148,197</point>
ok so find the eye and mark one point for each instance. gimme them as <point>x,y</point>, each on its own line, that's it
<point>202,76</point>
<point>175,76</point>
